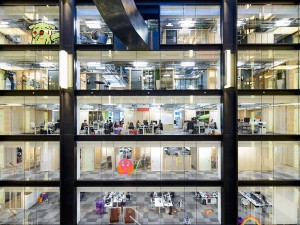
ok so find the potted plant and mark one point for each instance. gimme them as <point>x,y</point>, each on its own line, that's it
<point>157,78</point>
<point>279,79</point>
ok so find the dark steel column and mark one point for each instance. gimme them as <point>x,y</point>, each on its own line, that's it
<point>230,150</point>
<point>67,118</point>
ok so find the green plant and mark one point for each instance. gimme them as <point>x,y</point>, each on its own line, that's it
<point>157,74</point>
<point>279,74</point>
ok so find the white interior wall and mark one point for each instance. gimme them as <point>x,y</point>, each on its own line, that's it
<point>285,213</point>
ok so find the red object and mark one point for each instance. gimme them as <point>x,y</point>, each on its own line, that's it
<point>142,109</point>
<point>125,166</point>
<point>41,32</point>
<point>134,132</point>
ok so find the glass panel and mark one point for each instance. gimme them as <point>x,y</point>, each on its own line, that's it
<point>268,24</point>
<point>168,115</point>
<point>29,115</point>
<point>186,24</point>
<point>268,114</point>
<point>149,205</point>
<point>29,70</point>
<point>149,160</point>
<point>264,205</point>
<point>29,24</point>
<point>29,205</point>
<point>269,160</point>
<point>148,70</point>
<point>268,69</point>
<point>91,28</point>
<point>29,160</point>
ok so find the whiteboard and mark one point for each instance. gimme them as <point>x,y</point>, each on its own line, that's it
<point>167,117</point>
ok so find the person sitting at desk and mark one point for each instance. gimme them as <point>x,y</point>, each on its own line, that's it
<point>138,124</point>
<point>84,124</point>
<point>160,126</point>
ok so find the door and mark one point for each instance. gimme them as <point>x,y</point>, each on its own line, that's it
<point>156,158</point>
<point>88,161</point>
<point>205,159</point>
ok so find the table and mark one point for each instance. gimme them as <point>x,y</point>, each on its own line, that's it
<point>208,197</point>
<point>256,200</point>
<point>161,203</point>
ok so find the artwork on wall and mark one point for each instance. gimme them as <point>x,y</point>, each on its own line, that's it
<point>43,33</point>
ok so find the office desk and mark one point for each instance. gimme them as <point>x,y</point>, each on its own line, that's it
<point>208,197</point>
<point>142,128</point>
<point>256,200</point>
<point>161,203</point>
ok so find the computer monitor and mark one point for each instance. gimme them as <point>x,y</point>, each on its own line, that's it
<point>247,120</point>
<point>153,121</point>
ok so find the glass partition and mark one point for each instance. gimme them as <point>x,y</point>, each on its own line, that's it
<point>29,70</point>
<point>268,160</point>
<point>29,205</point>
<point>268,205</point>
<point>29,24</point>
<point>155,115</point>
<point>149,160</point>
<point>148,70</point>
<point>268,114</point>
<point>91,28</point>
<point>149,205</point>
<point>29,160</point>
<point>268,69</point>
<point>268,24</point>
<point>188,24</point>
<point>29,115</point>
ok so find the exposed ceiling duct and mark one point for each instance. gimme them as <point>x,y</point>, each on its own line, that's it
<point>126,22</point>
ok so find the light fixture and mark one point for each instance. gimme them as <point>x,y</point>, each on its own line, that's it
<point>228,69</point>
<point>140,64</point>
<point>283,22</point>
<point>46,64</point>
<point>63,69</point>
<point>4,24</point>
<point>93,64</point>
<point>187,64</point>
<point>93,24</point>
<point>169,25</point>
<point>187,23</point>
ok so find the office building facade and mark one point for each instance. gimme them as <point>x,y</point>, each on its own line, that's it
<point>149,112</point>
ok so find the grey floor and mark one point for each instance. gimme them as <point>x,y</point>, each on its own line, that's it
<point>141,202</point>
<point>41,213</point>
<point>9,173</point>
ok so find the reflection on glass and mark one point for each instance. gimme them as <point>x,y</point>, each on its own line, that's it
<point>190,24</point>
<point>29,24</point>
<point>92,29</point>
<point>268,24</point>
<point>149,70</point>
<point>264,205</point>
<point>268,160</point>
<point>29,70</point>
<point>268,69</point>
<point>150,205</point>
<point>168,115</point>
<point>268,115</point>
<point>149,161</point>
<point>29,205</point>
<point>29,115</point>
<point>29,161</point>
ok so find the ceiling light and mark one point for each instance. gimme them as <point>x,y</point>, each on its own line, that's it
<point>186,64</point>
<point>283,22</point>
<point>93,24</point>
<point>93,64</point>
<point>140,64</point>
<point>187,23</point>
<point>46,64</point>
<point>169,25</point>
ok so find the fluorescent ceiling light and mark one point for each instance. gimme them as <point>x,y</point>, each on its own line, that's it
<point>46,64</point>
<point>93,24</point>
<point>186,64</point>
<point>128,68</point>
<point>187,23</point>
<point>169,25</point>
<point>93,64</point>
<point>140,64</point>
<point>283,22</point>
